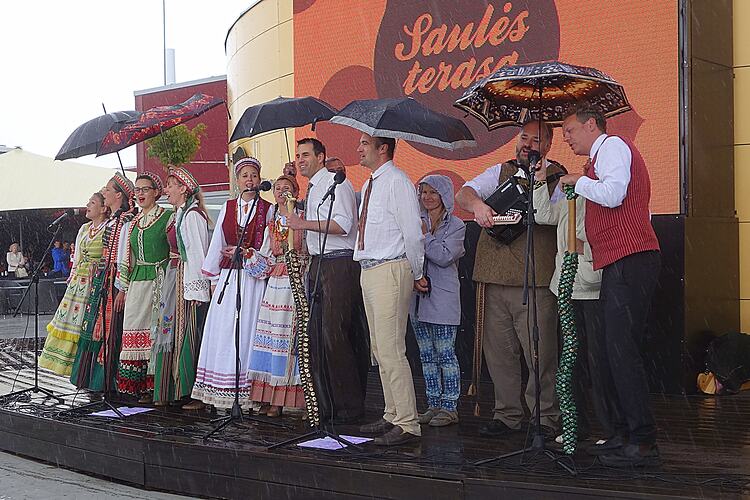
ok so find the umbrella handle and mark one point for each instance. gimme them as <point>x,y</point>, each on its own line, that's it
<point>288,154</point>
<point>118,153</point>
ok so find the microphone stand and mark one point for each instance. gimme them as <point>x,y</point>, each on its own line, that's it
<point>109,278</point>
<point>319,431</point>
<point>235,416</point>
<point>529,288</point>
<point>35,282</point>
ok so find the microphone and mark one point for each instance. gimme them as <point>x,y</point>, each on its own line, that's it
<point>337,179</point>
<point>534,157</point>
<point>68,213</point>
<point>263,186</point>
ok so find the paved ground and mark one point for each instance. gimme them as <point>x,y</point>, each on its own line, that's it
<point>22,479</point>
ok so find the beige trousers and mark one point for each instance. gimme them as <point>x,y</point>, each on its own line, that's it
<point>507,338</point>
<point>387,290</point>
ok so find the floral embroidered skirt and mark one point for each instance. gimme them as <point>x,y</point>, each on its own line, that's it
<point>133,377</point>
<point>273,361</point>
<point>176,342</point>
<point>65,328</point>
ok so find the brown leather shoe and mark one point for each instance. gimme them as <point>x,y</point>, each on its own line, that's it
<point>394,437</point>
<point>195,404</point>
<point>379,427</point>
<point>274,411</point>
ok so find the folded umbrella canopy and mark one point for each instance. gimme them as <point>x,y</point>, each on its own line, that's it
<point>85,140</point>
<point>514,95</point>
<point>404,118</point>
<point>154,121</point>
<point>282,112</point>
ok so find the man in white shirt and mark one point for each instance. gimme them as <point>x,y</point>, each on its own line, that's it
<point>617,189</point>
<point>337,321</point>
<point>390,249</point>
<point>499,274</point>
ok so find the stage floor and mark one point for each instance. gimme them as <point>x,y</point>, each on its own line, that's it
<point>705,447</point>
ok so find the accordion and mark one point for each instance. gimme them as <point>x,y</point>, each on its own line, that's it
<point>510,201</point>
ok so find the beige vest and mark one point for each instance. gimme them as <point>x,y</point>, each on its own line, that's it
<point>503,264</point>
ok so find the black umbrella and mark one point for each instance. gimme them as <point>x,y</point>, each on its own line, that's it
<point>514,95</point>
<point>85,140</point>
<point>404,118</point>
<point>282,112</point>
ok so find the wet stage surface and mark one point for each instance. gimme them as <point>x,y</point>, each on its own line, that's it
<point>704,444</point>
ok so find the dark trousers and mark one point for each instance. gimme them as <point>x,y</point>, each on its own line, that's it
<point>592,370</point>
<point>627,288</point>
<point>339,338</point>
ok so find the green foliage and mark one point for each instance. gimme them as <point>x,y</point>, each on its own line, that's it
<point>176,146</point>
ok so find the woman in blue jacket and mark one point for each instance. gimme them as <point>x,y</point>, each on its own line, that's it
<point>435,315</point>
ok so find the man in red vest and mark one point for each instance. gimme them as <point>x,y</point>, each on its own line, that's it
<point>617,189</point>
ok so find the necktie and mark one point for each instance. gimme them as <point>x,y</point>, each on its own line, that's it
<point>363,217</point>
<point>307,195</point>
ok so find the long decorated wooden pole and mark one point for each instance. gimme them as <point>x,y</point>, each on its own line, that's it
<point>564,383</point>
<point>291,202</point>
<point>300,338</point>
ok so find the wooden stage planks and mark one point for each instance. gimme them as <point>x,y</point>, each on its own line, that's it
<point>704,442</point>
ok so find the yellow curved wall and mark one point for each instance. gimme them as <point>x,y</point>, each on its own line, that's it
<point>260,67</point>
<point>741,18</point>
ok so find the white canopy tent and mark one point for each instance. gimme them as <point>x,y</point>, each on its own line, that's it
<point>30,181</point>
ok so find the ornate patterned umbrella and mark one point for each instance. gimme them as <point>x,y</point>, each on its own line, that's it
<point>154,121</point>
<point>514,95</point>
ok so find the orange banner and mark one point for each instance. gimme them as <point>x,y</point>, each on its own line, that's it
<point>433,50</point>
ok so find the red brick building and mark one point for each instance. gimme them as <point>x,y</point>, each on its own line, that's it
<point>209,165</point>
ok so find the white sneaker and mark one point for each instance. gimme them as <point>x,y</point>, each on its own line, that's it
<point>559,440</point>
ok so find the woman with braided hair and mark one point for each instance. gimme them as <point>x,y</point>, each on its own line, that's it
<point>274,370</point>
<point>103,317</point>
<point>142,276</point>
<point>215,377</point>
<point>185,293</point>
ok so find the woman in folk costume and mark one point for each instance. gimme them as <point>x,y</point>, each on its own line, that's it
<point>185,294</point>
<point>142,276</point>
<point>65,328</point>
<point>273,370</point>
<point>103,317</point>
<point>215,379</point>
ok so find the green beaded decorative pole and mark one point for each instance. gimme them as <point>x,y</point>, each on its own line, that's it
<point>564,383</point>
